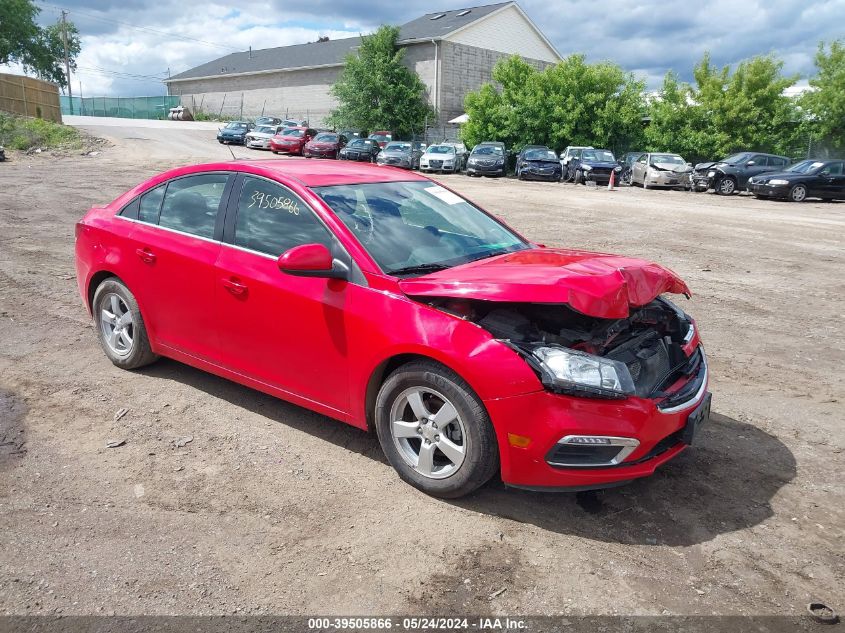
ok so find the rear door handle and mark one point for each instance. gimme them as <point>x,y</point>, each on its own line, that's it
<point>146,255</point>
<point>234,286</point>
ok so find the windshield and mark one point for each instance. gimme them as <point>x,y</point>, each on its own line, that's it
<point>488,150</point>
<point>666,159</point>
<point>806,166</point>
<point>417,225</point>
<point>381,137</point>
<point>397,147</point>
<point>737,158</point>
<point>441,149</point>
<point>294,133</point>
<point>236,125</point>
<point>264,129</point>
<point>326,138</point>
<point>361,143</point>
<point>540,154</point>
<point>598,155</point>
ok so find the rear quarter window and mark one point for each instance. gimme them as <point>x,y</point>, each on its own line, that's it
<point>150,205</point>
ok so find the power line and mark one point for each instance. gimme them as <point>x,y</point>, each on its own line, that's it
<point>97,69</point>
<point>139,28</point>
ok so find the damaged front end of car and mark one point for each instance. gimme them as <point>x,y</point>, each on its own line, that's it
<point>652,353</point>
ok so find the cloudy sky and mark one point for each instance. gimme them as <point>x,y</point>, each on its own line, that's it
<point>129,45</point>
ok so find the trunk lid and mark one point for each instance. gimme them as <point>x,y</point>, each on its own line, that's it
<point>595,284</point>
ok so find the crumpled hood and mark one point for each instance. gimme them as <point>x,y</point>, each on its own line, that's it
<point>599,285</point>
<point>673,167</point>
<point>699,166</point>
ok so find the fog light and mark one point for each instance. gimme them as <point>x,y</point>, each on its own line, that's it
<point>518,441</point>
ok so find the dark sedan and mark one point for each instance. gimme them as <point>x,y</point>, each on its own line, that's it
<point>596,165</point>
<point>404,154</point>
<point>538,164</point>
<point>361,150</point>
<point>487,159</point>
<point>823,179</point>
<point>324,145</point>
<point>731,174</point>
<point>234,132</point>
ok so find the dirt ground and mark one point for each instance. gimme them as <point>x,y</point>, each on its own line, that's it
<point>272,509</point>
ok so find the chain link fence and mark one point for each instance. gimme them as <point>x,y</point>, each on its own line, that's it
<point>122,107</point>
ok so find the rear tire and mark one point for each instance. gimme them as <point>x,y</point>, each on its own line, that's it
<point>435,431</point>
<point>120,326</point>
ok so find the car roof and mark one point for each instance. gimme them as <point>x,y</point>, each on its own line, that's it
<point>309,173</point>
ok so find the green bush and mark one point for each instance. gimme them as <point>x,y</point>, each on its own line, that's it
<point>24,133</point>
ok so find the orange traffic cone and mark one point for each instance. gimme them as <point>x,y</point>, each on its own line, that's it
<point>610,182</point>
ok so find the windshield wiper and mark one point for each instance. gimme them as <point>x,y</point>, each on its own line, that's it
<point>419,269</point>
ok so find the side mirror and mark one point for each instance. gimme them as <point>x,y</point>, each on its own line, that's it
<point>312,260</point>
<point>824,172</point>
<point>749,163</point>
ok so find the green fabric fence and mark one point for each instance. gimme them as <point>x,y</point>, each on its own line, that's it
<point>123,107</point>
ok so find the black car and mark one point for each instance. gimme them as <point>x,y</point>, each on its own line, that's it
<point>626,161</point>
<point>2,154</point>
<point>361,149</point>
<point>234,132</point>
<point>823,179</point>
<point>537,162</point>
<point>595,165</point>
<point>731,174</point>
<point>404,154</point>
<point>487,159</point>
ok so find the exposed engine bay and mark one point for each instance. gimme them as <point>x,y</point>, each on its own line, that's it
<point>649,342</point>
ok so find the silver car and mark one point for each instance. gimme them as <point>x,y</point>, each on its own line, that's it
<point>259,137</point>
<point>661,170</point>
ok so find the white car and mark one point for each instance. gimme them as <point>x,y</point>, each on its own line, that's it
<point>259,137</point>
<point>441,157</point>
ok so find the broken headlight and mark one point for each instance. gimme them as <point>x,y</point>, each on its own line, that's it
<point>580,374</point>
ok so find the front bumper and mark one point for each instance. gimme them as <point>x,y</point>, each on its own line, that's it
<point>434,166</point>
<point>310,152</point>
<point>486,170</point>
<point>547,418</point>
<point>668,180</point>
<point>702,183</point>
<point>768,191</point>
<point>258,144</point>
<point>286,148</point>
<point>237,140</point>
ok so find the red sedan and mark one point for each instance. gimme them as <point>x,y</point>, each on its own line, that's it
<point>324,145</point>
<point>384,300</point>
<point>291,140</point>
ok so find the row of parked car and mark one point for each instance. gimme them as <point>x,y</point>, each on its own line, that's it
<point>764,175</point>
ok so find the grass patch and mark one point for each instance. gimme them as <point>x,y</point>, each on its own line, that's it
<point>23,133</point>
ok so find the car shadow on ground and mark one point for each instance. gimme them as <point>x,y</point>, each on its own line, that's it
<point>724,483</point>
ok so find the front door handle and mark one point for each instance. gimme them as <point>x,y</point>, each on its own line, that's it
<point>234,286</point>
<point>146,255</point>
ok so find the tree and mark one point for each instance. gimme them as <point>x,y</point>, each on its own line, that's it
<point>824,104</point>
<point>725,112</point>
<point>377,91</point>
<point>570,103</point>
<point>40,50</point>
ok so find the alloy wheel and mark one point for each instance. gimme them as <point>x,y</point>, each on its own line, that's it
<point>116,324</point>
<point>428,432</point>
<point>798,193</point>
<point>727,186</point>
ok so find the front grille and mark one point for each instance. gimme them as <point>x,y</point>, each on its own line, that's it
<point>436,164</point>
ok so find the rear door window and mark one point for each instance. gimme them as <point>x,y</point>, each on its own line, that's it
<point>151,205</point>
<point>191,204</point>
<point>272,219</point>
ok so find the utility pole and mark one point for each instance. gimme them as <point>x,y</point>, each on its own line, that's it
<point>67,62</point>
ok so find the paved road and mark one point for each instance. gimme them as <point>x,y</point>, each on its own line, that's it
<point>161,140</point>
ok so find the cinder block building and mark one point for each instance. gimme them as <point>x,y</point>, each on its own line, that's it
<point>453,52</point>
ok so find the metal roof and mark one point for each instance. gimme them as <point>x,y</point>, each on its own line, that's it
<point>333,52</point>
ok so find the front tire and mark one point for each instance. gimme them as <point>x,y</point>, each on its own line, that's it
<point>726,186</point>
<point>120,326</point>
<point>798,193</point>
<point>435,431</point>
